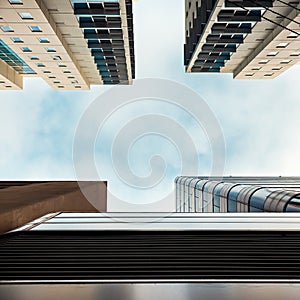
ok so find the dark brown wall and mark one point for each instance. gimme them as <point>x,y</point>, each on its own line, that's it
<point>20,204</point>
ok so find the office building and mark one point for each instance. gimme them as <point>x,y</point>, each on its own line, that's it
<point>250,39</point>
<point>71,44</point>
<point>144,256</point>
<point>237,194</point>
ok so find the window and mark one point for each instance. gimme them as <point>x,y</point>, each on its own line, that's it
<point>46,71</point>
<point>61,65</point>
<point>6,28</point>
<point>34,57</point>
<point>269,74</point>
<point>2,81</point>
<point>276,68</point>
<point>25,49</point>
<point>67,71</point>
<point>35,28</point>
<point>51,77</point>
<point>56,81</point>
<point>282,45</point>
<point>71,77</point>
<point>256,68</point>
<point>50,49</point>
<point>273,53</point>
<point>295,54</point>
<point>292,35</point>
<point>15,1</point>
<point>60,86</point>
<point>74,81</point>
<point>77,87</point>
<point>17,40</point>
<point>40,65</point>
<point>249,74</point>
<point>285,61</point>
<point>56,57</point>
<point>258,199</point>
<point>263,61</point>
<point>26,16</point>
<point>43,40</point>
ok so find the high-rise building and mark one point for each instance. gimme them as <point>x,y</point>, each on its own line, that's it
<point>71,44</point>
<point>237,194</point>
<point>253,39</point>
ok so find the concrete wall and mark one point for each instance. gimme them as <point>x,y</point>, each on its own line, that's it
<point>22,204</point>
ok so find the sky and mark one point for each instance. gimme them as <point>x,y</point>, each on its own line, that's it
<point>145,135</point>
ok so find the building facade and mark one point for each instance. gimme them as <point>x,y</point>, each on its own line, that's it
<point>237,194</point>
<point>23,202</point>
<point>251,39</point>
<point>140,256</point>
<point>71,44</point>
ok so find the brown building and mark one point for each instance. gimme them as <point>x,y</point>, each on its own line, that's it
<point>23,202</point>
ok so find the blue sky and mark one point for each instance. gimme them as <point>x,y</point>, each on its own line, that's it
<point>259,120</point>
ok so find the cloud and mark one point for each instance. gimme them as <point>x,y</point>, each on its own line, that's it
<point>259,119</point>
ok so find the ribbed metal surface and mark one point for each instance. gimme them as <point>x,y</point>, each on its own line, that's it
<point>150,256</point>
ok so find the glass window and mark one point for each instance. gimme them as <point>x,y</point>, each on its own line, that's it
<point>207,195</point>
<point>50,49</point>
<point>43,40</point>
<point>216,197</point>
<point>60,86</point>
<point>25,49</point>
<point>232,197</point>
<point>15,1</point>
<point>34,57</point>
<point>26,16</point>
<point>6,28</point>
<point>56,57</point>
<point>254,209</point>
<point>258,199</point>
<point>74,81</point>
<point>17,40</point>
<point>295,54</point>
<point>40,65</point>
<point>282,45</point>
<point>273,53</point>
<point>35,28</point>
<point>67,71</point>
<point>14,60</point>
<point>293,205</point>
<point>61,65</point>
<point>263,61</point>
<point>46,71</point>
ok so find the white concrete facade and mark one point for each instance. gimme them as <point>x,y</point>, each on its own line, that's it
<point>271,48</point>
<point>56,50</point>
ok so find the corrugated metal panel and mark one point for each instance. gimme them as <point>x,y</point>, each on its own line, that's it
<point>150,256</point>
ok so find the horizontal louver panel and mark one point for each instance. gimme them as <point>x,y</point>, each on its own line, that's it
<point>150,256</point>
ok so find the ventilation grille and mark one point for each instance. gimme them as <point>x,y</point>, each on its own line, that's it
<point>150,256</point>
